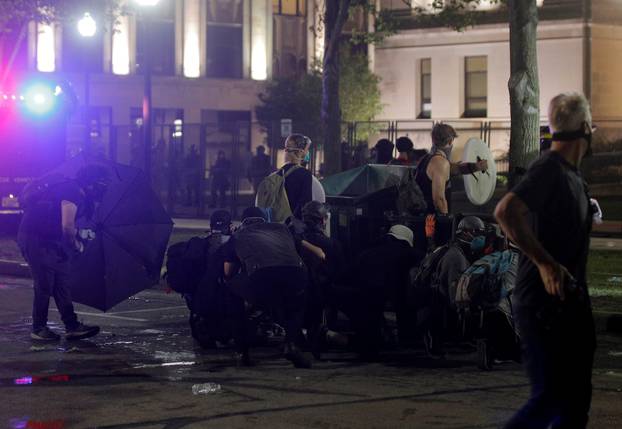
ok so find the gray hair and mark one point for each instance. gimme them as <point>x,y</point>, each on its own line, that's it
<point>568,111</point>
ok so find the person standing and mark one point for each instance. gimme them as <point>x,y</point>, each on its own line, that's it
<point>193,176</point>
<point>260,167</point>
<point>48,240</point>
<point>404,147</point>
<point>299,181</point>
<point>221,170</point>
<point>383,151</point>
<point>551,302</point>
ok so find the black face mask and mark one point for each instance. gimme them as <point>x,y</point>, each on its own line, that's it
<point>585,132</point>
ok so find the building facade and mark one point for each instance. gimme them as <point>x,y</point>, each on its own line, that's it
<point>438,74</point>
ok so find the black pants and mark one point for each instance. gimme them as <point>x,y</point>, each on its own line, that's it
<point>558,352</point>
<point>49,266</point>
<point>281,289</point>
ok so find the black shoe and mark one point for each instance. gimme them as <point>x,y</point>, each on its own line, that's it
<point>319,341</point>
<point>243,359</point>
<point>295,356</point>
<point>81,332</point>
<point>44,334</point>
<point>433,348</point>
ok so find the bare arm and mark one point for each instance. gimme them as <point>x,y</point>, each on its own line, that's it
<point>438,171</point>
<point>230,269</point>
<point>511,214</point>
<point>69,212</point>
<point>462,168</point>
<point>314,249</point>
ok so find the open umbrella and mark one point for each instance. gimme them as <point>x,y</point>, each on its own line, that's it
<point>132,230</point>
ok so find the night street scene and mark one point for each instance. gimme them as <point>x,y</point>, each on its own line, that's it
<point>310,214</point>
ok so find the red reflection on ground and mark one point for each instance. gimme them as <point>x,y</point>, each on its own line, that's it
<point>48,424</point>
<point>35,379</point>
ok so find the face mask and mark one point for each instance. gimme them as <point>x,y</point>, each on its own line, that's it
<point>478,243</point>
<point>445,149</point>
<point>585,132</point>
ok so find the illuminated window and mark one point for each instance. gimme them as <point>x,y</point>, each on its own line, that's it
<point>46,56</point>
<point>426,88</point>
<point>475,86</point>
<point>224,39</point>
<point>155,35</point>
<point>289,7</point>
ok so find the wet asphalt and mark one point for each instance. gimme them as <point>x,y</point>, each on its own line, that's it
<point>138,373</point>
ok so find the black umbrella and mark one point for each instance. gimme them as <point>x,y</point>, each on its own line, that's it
<point>132,230</point>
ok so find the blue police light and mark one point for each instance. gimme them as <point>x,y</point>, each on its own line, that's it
<point>39,99</point>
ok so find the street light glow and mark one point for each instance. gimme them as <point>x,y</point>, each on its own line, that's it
<point>147,2</point>
<point>87,26</point>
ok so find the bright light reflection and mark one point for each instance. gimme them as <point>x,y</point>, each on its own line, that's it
<point>259,66</point>
<point>121,47</point>
<point>192,51</point>
<point>46,58</point>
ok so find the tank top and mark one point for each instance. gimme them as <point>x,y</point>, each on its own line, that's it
<point>425,183</point>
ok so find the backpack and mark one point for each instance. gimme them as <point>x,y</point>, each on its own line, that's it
<point>186,264</point>
<point>410,199</point>
<point>271,194</point>
<point>487,282</point>
<point>36,190</point>
<point>424,278</point>
<point>264,245</point>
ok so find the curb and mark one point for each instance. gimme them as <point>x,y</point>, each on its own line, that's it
<point>14,268</point>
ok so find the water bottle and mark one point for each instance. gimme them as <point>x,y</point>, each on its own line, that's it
<point>206,388</point>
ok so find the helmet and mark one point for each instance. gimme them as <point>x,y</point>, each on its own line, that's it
<point>297,142</point>
<point>220,220</point>
<point>314,211</point>
<point>253,215</point>
<point>402,232</point>
<point>404,144</point>
<point>471,224</point>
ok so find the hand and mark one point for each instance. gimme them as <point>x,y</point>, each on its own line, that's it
<point>481,165</point>
<point>554,277</point>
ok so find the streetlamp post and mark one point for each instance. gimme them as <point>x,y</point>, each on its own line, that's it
<point>87,28</point>
<point>147,102</point>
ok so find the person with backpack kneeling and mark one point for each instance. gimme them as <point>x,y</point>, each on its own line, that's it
<point>287,190</point>
<point>467,247</point>
<point>263,267</point>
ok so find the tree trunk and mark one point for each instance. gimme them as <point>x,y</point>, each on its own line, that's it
<point>523,86</point>
<point>335,17</point>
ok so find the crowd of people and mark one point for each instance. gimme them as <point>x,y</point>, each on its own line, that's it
<point>300,275</point>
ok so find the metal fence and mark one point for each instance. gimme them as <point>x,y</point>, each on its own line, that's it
<point>186,174</point>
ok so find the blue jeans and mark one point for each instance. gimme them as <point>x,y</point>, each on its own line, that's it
<point>558,353</point>
<point>49,266</point>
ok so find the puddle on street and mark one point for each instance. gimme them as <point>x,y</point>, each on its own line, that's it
<point>28,380</point>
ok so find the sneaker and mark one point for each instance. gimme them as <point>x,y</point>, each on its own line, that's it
<point>81,332</point>
<point>45,334</point>
<point>295,356</point>
<point>434,349</point>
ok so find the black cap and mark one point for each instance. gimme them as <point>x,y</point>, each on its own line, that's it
<point>220,220</point>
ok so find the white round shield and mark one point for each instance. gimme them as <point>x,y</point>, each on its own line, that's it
<point>317,191</point>
<point>479,186</point>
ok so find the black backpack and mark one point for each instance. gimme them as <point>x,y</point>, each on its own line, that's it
<point>186,264</point>
<point>35,191</point>
<point>424,278</point>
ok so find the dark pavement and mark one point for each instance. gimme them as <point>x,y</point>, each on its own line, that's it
<point>139,372</point>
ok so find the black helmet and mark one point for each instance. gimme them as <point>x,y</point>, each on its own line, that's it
<point>220,220</point>
<point>471,224</point>
<point>314,211</point>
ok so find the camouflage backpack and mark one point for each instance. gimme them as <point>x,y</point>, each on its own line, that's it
<point>410,199</point>
<point>271,195</point>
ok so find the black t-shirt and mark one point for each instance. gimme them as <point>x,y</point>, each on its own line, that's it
<point>263,245</point>
<point>557,197</point>
<point>42,218</point>
<point>298,185</point>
